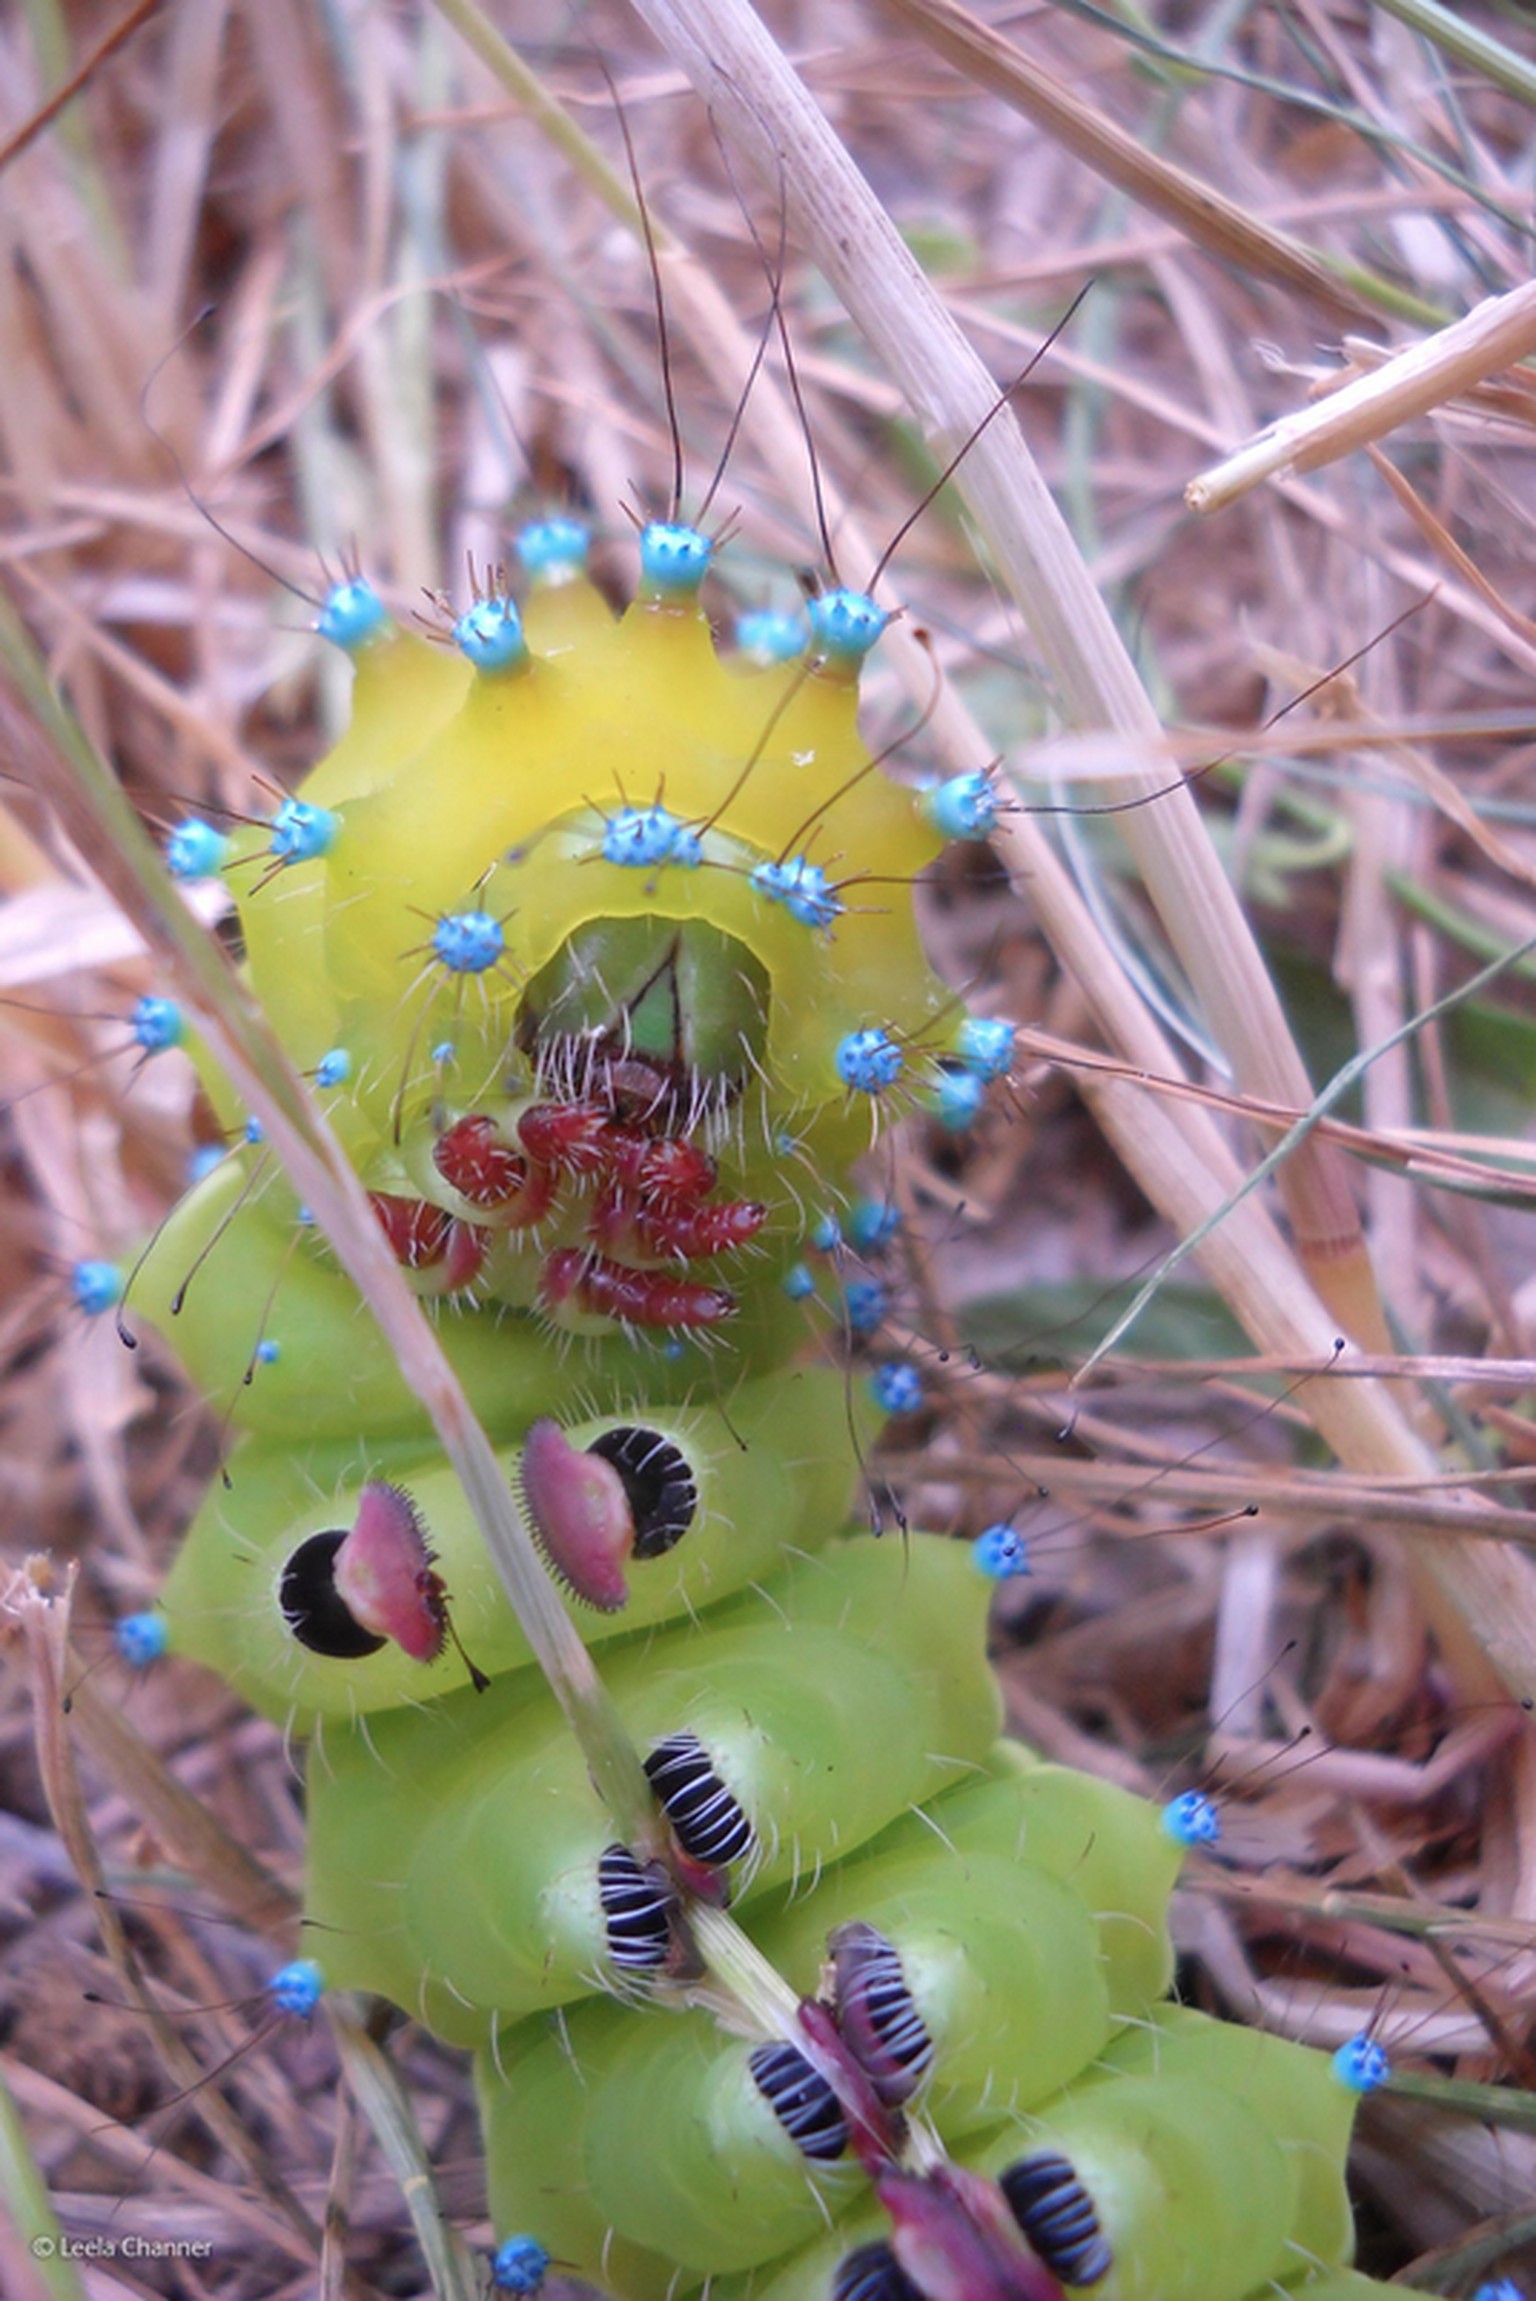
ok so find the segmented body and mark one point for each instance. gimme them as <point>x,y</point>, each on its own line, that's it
<point>605,1069</point>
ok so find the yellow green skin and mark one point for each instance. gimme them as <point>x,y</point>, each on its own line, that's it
<point>516,783</point>
<point>453,1844</point>
<point>1191,2187</point>
<point>1346,2285</point>
<point>1108,1846</point>
<point>779,1464</point>
<point>1020,1967</point>
<point>403,690</point>
<point>1190,2184</point>
<point>453,1851</point>
<point>445,777</point>
<point>644,712</point>
<point>1309,2111</point>
<point>647,2155</point>
<point>1214,2156</point>
<point>1002,1962</point>
<point>335,1378</point>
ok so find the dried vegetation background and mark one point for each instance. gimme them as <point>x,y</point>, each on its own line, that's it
<point>312,269</point>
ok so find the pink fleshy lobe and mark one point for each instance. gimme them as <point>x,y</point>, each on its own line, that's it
<point>953,2234</point>
<point>602,1288</point>
<point>417,1231</point>
<point>568,1138</point>
<point>384,1574</point>
<point>464,1257</point>
<point>581,1515</point>
<point>874,2128</point>
<point>475,1158</point>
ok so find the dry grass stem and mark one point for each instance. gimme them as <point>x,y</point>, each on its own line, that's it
<point>1360,410</point>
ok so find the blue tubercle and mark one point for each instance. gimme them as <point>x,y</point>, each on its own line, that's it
<point>204,1159</point>
<point>195,850</point>
<point>554,550</point>
<point>869,1061</point>
<point>964,807</point>
<point>519,2265</point>
<point>1001,1552</point>
<point>301,833</point>
<point>158,1024</point>
<point>803,888</point>
<point>297,1987</point>
<point>352,615</point>
<point>673,559</point>
<point>141,1639</point>
<point>334,1068</point>
<point>96,1286</point>
<point>1191,1820</point>
<point>826,1234</point>
<point>643,837</point>
<point>867,1302</point>
<point>799,1281</point>
<point>255,1132</point>
<point>872,1225</point>
<point>490,636</point>
<point>846,624</point>
<point>268,1352</point>
<point>1362,2065</point>
<point>444,1053</point>
<point>767,636</point>
<point>897,1388</point>
<point>1499,2289</point>
<point>956,1098</point>
<point>984,1044</point>
<point>468,942</point>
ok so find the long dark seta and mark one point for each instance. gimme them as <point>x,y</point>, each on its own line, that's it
<point>638,1910</point>
<point>876,2013</point>
<point>872,2273</point>
<point>1056,2215</point>
<point>801,2100</point>
<point>708,1819</point>
<point>659,1481</point>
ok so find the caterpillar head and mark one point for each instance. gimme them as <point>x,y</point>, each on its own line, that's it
<point>577,901</point>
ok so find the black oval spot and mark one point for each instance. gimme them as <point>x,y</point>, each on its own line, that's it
<point>313,1608</point>
<point>658,1483</point>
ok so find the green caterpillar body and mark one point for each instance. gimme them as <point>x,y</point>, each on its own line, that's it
<point>604,1038</point>
<point>779,1458</point>
<point>1265,2207</point>
<point>829,1701</point>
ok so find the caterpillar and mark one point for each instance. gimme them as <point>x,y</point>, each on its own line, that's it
<point>595,938</point>
<point>583,1033</point>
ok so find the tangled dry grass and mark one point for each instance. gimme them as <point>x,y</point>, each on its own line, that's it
<point>318,274</point>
